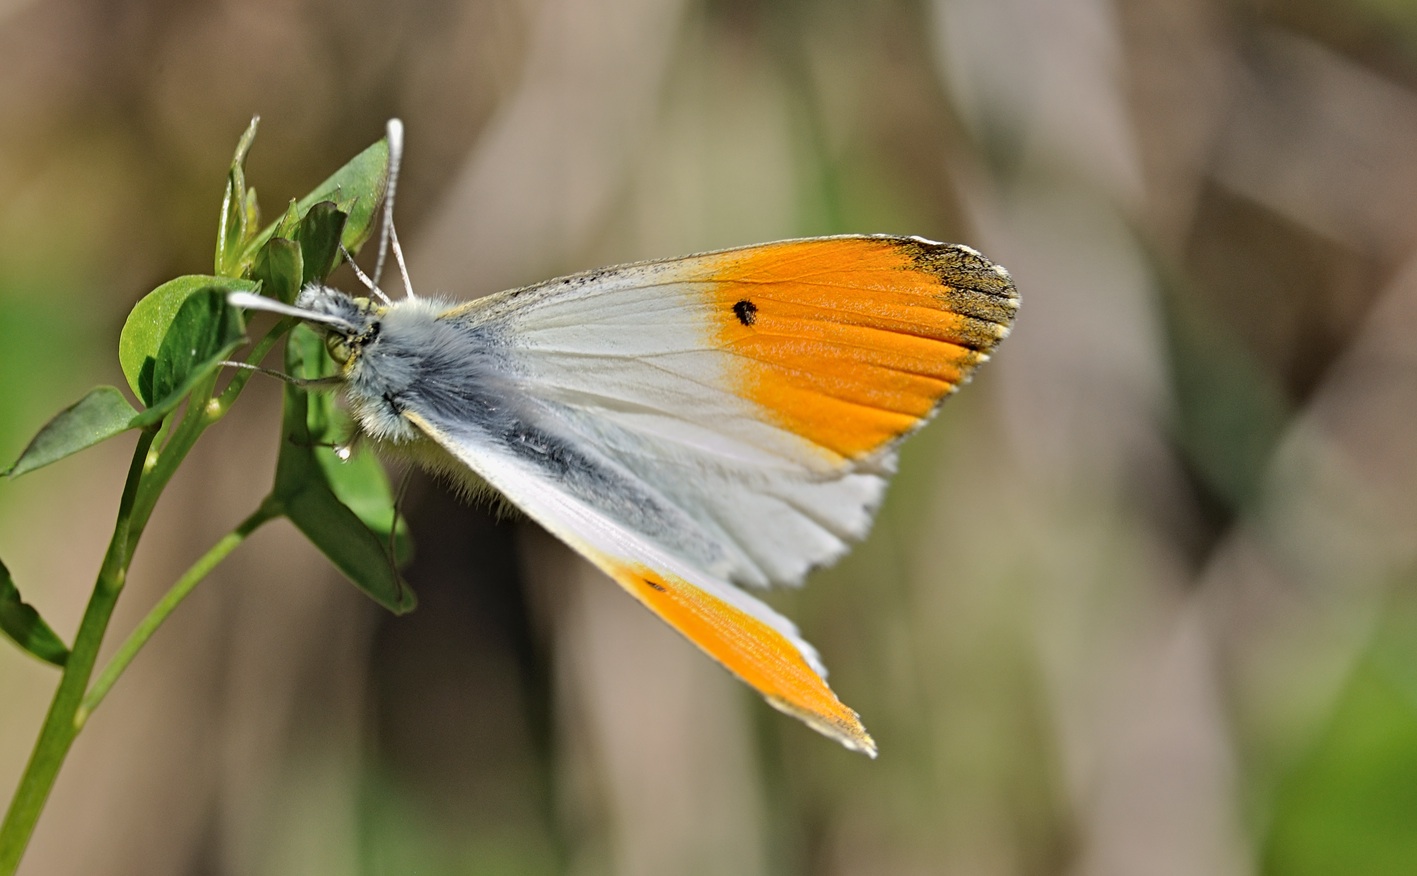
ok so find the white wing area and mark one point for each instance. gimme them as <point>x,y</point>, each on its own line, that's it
<point>624,365</point>
<point>593,533</point>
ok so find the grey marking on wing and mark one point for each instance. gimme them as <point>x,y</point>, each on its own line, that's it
<point>455,374</point>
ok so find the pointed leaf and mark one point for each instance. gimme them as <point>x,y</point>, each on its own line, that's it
<point>204,327</point>
<point>96,417</point>
<point>237,206</point>
<point>290,221</point>
<point>357,480</point>
<point>205,332</point>
<point>296,466</point>
<point>355,551</point>
<point>362,485</point>
<point>151,319</point>
<point>318,507</point>
<point>319,238</point>
<point>279,269</point>
<point>305,357</point>
<point>253,210</point>
<point>357,189</point>
<point>23,625</point>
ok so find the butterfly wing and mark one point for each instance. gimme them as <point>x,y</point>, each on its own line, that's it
<point>719,419</point>
<point>760,391</point>
<point>754,642</point>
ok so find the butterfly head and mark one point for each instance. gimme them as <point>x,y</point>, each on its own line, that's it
<point>349,323</point>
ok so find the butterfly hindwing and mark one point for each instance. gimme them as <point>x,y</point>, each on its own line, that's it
<point>742,633</point>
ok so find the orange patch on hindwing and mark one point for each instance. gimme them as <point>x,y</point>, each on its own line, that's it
<point>747,647</point>
<point>852,342</point>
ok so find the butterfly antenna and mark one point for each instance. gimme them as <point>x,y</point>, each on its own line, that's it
<point>394,134</point>
<point>369,284</point>
<point>398,257</point>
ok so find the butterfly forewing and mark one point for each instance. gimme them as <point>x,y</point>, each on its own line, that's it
<point>762,391</point>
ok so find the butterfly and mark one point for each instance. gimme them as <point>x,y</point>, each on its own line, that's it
<point>697,427</point>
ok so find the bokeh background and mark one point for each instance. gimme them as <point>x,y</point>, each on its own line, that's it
<point>1140,602</point>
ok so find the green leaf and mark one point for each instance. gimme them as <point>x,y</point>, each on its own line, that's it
<point>305,249</point>
<point>205,329</point>
<point>96,417</point>
<point>319,238</point>
<point>356,541</point>
<point>357,480</point>
<point>356,551</point>
<point>289,222</point>
<point>362,485</point>
<point>279,268</point>
<point>238,209</point>
<point>357,189</point>
<point>253,209</point>
<point>25,627</point>
<point>305,356</point>
<point>152,318</point>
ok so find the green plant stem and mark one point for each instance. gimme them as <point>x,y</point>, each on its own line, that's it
<point>148,474</point>
<point>268,511</point>
<point>59,729</point>
<point>200,413</point>
<point>258,352</point>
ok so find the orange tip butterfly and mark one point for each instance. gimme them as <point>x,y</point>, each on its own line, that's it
<point>697,427</point>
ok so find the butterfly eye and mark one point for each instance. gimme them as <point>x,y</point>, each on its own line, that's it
<point>338,345</point>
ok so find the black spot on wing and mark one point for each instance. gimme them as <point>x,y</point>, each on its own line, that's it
<point>746,311</point>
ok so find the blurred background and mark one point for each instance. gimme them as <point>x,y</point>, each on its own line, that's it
<point>1141,602</point>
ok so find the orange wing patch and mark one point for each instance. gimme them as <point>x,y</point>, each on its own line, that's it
<point>748,647</point>
<point>853,342</point>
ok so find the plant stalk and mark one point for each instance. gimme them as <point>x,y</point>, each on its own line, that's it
<point>169,602</point>
<point>74,701</point>
<point>59,729</point>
